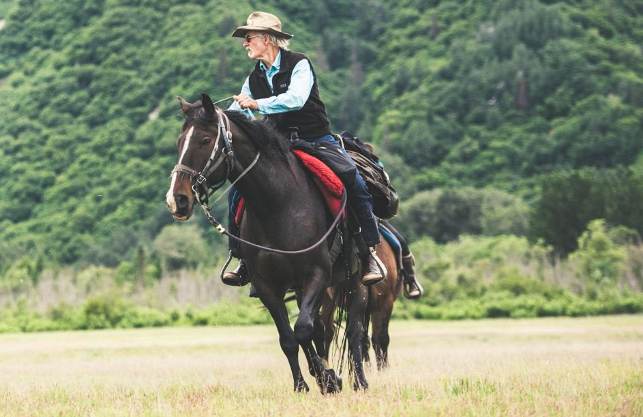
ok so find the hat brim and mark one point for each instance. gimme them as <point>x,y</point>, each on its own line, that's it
<point>241,31</point>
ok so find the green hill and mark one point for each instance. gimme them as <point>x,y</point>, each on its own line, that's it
<point>454,93</point>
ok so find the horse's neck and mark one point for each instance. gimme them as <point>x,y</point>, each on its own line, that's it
<point>272,182</point>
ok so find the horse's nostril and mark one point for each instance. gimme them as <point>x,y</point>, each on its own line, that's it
<point>181,201</point>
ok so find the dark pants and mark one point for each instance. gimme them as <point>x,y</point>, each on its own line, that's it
<point>406,251</point>
<point>329,151</point>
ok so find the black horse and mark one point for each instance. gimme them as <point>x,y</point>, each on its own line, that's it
<point>284,210</point>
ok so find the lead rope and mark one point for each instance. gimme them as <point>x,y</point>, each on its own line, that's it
<point>223,99</point>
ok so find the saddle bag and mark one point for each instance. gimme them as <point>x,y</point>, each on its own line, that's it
<point>385,199</point>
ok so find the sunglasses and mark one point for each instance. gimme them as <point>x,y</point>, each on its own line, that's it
<point>248,38</point>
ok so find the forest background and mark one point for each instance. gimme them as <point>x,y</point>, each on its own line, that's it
<point>512,130</point>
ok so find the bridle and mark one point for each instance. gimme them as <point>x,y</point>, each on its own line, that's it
<point>199,179</point>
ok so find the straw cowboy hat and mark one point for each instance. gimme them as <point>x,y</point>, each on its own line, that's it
<point>261,22</point>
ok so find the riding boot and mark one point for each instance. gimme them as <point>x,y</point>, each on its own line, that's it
<point>238,277</point>
<point>412,288</point>
<point>376,271</point>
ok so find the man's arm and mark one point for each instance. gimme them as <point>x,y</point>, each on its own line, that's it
<point>301,83</point>
<point>245,92</point>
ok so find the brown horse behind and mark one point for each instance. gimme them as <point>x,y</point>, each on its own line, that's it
<point>377,311</point>
<point>380,306</point>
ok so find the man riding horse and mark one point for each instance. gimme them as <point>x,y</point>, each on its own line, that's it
<point>283,87</point>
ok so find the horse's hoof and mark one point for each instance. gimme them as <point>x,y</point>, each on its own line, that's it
<point>332,382</point>
<point>363,385</point>
<point>301,386</point>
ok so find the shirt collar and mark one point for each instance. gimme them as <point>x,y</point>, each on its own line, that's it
<point>275,65</point>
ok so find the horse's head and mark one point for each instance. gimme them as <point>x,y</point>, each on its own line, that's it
<point>203,146</point>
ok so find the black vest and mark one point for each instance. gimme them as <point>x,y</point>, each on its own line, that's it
<point>311,120</point>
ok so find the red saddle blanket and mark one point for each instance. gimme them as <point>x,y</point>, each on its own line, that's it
<point>328,182</point>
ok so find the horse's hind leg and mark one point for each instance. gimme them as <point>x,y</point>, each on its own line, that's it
<point>287,340</point>
<point>356,330</point>
<point>366,344</point>
<point>380,320</point>
<point>319,340</point>
<point>310,302</point>
<point>324,335</point>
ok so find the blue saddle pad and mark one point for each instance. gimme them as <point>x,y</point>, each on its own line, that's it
<point>394,242</point>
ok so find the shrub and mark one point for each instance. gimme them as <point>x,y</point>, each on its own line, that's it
<point>103,312</point>
<point>146,317</point>
<point>181,246</point>
<point>600,260</point>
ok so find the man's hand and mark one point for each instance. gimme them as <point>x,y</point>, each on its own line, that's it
<point>246,102</point>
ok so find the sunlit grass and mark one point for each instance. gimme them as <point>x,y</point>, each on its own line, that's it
<point>559,367</point>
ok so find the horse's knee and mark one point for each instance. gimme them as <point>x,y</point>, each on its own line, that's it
<point>289,345</point>
<point>304,330</point>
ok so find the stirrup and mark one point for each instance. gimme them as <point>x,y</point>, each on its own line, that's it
<point>376,271</point>
<point>412,287</point>
<point>225,265</point>
<point>237,278</point>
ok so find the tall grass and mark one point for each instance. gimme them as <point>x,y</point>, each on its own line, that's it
<point>546,367</point>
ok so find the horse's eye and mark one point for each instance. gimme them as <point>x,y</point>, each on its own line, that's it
<point>206,140</point>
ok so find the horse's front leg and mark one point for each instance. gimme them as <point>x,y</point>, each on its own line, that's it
<point>289,344</point>
<point>309,304</point>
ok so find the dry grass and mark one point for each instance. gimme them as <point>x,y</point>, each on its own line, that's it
<point>552,367</point>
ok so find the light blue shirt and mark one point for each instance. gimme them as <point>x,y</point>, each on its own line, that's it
<point>301,82</point>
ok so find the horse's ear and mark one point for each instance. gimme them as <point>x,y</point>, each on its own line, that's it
<point>185,106</point>
<point>207,104</point>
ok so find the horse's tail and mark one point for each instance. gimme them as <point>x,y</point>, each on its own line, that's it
<point>340,332</point>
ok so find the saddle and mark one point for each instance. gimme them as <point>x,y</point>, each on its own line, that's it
<point>385,199</point>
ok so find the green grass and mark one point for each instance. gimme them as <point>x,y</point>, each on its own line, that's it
<point>536,367</point>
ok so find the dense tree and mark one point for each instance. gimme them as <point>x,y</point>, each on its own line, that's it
<point>569,200</point>
<point>454,95</point>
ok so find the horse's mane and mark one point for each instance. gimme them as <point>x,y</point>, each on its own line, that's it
<point>262,133</point>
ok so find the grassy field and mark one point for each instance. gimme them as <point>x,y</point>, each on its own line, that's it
<point>543,367</point>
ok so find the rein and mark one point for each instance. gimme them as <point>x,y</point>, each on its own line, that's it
<point>219,228</point>
<point>200,183</point>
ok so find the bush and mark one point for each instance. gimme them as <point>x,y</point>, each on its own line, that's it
<point>181,246</point>
<point>146,317</point>
<point>104,312</point>
<point>600,260</point>
<point>243,312</point>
